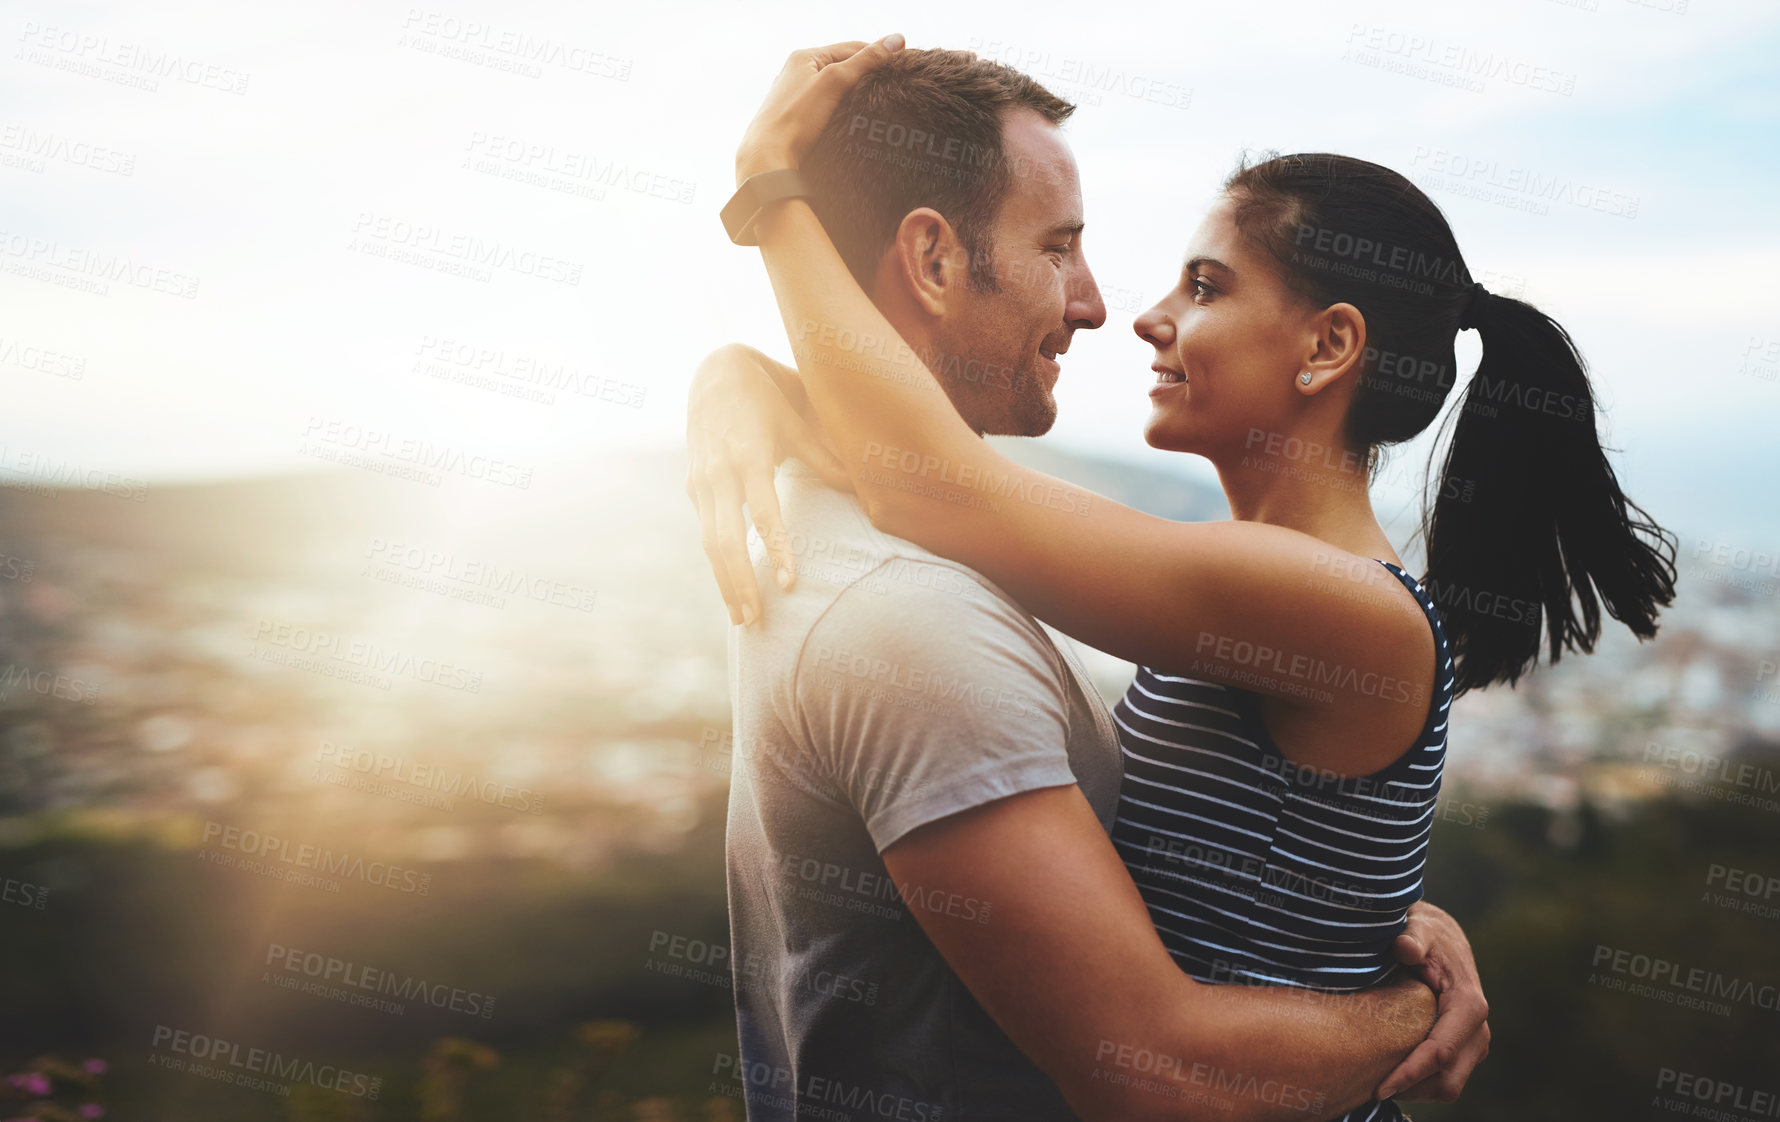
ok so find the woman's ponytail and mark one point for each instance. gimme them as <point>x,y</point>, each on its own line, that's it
<point>1529,534</point>
<point>1529,531</point>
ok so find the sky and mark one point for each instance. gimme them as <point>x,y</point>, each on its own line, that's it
<point>232,239</point>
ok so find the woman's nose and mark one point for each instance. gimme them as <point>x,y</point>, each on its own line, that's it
<point>1153,328</point>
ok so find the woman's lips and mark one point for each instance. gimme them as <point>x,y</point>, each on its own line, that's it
<point>1166,380</point>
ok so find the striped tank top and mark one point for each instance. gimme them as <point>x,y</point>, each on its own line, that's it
<point>1257,871</point>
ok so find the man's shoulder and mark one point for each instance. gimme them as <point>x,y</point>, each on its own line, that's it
<point>885,599</point>
<point>833,541</point>
<point>928,612</point>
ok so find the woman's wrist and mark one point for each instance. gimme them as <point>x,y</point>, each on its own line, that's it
<point>751,161</point>
<point>776,219</point>
<point>729,369</point>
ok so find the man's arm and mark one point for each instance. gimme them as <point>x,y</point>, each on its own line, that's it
<point>925,674</point>
<point>1072,970</point>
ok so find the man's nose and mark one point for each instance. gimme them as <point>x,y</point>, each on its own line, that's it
<point>1083,307</point>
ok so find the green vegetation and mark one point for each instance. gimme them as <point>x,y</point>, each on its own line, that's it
<point>584,1028</point>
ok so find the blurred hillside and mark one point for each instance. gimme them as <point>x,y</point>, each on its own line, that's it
<point>518,699</point>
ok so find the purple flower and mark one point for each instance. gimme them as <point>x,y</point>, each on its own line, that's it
<point>92,1110</point>
<point>95,1067</point>
<point>32,1082</point>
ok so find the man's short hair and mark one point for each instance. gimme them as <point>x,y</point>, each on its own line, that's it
<point>922,130</point>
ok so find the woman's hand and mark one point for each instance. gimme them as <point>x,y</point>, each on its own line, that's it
<point>739,427</point>
<point>802,100</point>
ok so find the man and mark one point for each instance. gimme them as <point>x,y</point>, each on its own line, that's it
<point>928,919</point>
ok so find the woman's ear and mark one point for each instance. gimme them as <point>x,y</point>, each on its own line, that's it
<point>1339,347</point>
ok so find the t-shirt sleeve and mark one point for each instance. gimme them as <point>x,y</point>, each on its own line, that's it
<point>925,697</point>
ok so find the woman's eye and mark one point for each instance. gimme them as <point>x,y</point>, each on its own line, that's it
<point>1201,287</point>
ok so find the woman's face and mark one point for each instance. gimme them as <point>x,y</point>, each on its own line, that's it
<point>1230,341</point>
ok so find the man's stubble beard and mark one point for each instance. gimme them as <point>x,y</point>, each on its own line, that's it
<point>1014,402</point>
<point>1024,408</point>
<point>1032,410</point>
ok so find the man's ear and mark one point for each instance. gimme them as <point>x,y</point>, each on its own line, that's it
<point>1337,348</point>
<point>930,262</point>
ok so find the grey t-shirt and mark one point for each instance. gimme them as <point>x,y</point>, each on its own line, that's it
<point>888,689</point>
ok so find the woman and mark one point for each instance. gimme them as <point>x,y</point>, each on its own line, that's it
<point>1285,738</point>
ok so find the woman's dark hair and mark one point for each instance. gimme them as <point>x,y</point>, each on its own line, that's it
<point>1528,522</point>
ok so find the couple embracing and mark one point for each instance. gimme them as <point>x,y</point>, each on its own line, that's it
<point>960,887</point>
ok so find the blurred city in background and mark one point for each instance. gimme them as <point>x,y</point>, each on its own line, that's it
<point>254,729</point>
<point>364,721</point>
